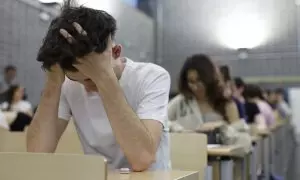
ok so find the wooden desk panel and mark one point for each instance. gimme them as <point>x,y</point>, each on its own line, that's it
<point>233,151</point>
<point>157,175</point>
<point>35,166</point>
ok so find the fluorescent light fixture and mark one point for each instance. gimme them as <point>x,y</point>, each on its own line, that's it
<point>242,30</point>
<point>243,53</point>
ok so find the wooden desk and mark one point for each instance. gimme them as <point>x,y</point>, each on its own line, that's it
<point>35,166</point>
<point>233,151</point>
<point>156,175</point>
<point>210,126</point>
<point>223,158</point>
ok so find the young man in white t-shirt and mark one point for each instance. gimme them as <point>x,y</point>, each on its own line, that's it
<point>119,106</point>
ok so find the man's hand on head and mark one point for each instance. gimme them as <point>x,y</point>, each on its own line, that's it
<point>93,65</point>
<point>56,74</point>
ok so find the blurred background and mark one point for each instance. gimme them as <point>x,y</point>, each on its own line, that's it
<point>257,40</point>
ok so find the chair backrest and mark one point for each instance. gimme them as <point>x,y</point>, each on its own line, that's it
<point>33,166</point>
<point>16,141</point>
<point>12,141</point>
<point>69,142</point>
<point>189,151</point>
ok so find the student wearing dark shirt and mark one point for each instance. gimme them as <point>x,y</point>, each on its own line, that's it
<point>258,110</point>
<point>238,89</point>
<point>252,111</point>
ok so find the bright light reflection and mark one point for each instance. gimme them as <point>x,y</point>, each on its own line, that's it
<point>242,30</point>
<point>105,5</point>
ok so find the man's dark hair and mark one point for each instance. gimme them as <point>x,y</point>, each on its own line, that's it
<point>55,49</point>
<point>9,68</point>
<point>239,82</point>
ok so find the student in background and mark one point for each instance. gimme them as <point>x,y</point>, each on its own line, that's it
<point>8,79</point>
<point>253,94</point>
<point>271,98</point>
<point>238,87</point>
<point>282,106</point>
<point>15,102</point>
<point>202,100</point>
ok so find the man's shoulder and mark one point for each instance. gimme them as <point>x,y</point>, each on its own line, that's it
<point>152,75</point>
<point>149,69</point>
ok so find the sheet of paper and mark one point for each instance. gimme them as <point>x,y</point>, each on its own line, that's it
<point>213,145</point>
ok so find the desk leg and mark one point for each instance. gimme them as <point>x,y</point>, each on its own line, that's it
<point>284,149</point>
<point>253,163</point>
<point>266,167</point>
<point>227,170</point>
<point>244,168</point>
<point>273,151</point>
<point>209,173</point>
<point>216,166</point>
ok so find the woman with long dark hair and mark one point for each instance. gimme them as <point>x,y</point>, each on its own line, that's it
<point>202,100</point>
<point>15,103</point>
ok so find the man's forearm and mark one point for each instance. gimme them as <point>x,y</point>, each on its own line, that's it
<point>41,136</point>
<point>131,134</point>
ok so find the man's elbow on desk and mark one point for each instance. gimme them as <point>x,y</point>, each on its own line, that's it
<point>144,162</point>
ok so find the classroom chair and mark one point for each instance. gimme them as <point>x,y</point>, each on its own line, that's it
<point>189,152</point>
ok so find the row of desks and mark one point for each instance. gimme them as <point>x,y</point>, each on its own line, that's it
<point>224,162</point>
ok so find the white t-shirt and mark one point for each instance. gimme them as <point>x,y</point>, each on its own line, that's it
<point>3,122</point>
<point>146,87</point>
<point>21,106</point>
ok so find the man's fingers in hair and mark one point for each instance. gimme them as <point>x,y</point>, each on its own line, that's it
<point>66,35</point>
<point>79,29</point>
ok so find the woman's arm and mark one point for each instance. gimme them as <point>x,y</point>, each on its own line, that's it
<point>232,112</point>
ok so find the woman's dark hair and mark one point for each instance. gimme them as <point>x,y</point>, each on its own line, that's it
<point>10,95</point>
<point>225,72</point>
<point>208,75</point>
<point>239,82</point>
<point>253,91</point>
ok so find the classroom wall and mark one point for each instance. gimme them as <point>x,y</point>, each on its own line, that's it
<point>22,31</point>
<point>191,26</point>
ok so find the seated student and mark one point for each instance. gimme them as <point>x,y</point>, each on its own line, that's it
<point>282,106</point>
<point>15,102</point>
<point>202,100</point>
<point>271,98</point>
<point>119,106</point>
<point>253,94</point>
<point>238,87</point>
